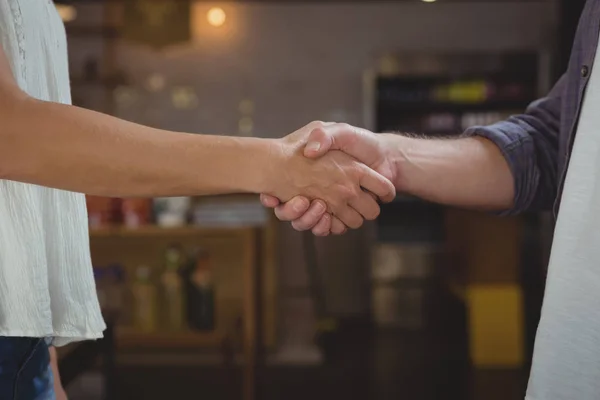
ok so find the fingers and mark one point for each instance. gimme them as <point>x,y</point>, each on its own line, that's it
<point>269,201</point>
<point>323,227</point>
<point>363,207</point>
<point>378,185</point>
<point>337,226</point>
<point>350,217</point>
<point>366,205</point>
<point>318,143</point>
<point>311,218</point>
<point>293,209</point>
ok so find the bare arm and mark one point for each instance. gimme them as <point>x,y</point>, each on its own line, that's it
<point>75,149</point>
<point>510,165</point>
<point>467,172</point>
<point>71,148</point>
<point>59,391</point>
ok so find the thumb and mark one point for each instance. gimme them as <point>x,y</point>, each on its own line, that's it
<point>359,143</point>
<point>353,141</point>
<point>319,142</point>
<point>269,201</point>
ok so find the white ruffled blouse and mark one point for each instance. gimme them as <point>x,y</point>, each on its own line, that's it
<point>47,285</point>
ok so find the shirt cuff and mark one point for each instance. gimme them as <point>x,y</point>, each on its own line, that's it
<point>510,145</point>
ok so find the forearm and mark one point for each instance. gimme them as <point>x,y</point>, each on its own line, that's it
<point>465,172</point>
<point>70,148</point>
<point>59,391</point>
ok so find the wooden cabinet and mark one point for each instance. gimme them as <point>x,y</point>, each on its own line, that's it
<point>244,276</point>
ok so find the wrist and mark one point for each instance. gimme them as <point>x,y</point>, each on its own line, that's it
<point>271,163</point>
<point>395,148</point>
<point>256,162</point>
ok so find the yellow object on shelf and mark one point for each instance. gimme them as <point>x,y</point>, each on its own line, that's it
<point>496,325</point>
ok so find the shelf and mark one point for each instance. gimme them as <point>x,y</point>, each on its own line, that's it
<point>104,82</point>
<point>132,338</point>
<point>153,230</point>
<point>92,31</point>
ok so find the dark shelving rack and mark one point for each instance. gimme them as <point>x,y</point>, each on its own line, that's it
<point>404,102</point>
<point>457,86</point>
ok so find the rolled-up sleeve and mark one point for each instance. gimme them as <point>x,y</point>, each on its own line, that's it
<point>529,143</point>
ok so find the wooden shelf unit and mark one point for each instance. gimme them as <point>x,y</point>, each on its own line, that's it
<point>132,338</point>
<point>241,257</point>
<point>158,231</point>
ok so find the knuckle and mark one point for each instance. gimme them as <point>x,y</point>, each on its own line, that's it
<point>317,124</point>
<point>358,171</point>
<point>345,126</point>
<point>353,192</point>
<point>309,221</point>
<point>288,214</point>
<point>345,193</point>
<point>336,203</point>
<point>316,212</point>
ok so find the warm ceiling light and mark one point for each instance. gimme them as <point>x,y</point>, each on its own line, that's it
<point>216,16</point>
<point>67,12</point>
<point>428,1</point>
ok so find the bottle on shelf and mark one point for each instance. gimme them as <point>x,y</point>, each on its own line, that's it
<point>99,211</point>
<point>136,212</point>
<point>144,294</point>
<point>173,296</point>
<point>171,211</point>
<point>114,277</point>
<point>116,292</point>
<point>200,293</point>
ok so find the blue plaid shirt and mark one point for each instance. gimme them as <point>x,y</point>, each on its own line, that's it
<point>537,144</point>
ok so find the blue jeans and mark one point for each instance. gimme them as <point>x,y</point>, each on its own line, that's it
<point>25,372</point>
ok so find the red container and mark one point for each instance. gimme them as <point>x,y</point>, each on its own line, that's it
<point>100,211</point>
<point>136,212</point>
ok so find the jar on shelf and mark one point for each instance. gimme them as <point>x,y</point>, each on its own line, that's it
<point>100,211</point>
<point>136,212</point>
<point>172,211</point>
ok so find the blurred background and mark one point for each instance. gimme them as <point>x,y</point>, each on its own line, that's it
<point>212,298</point>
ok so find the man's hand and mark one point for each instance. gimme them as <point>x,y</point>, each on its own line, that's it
<point>361,144</point>
<point>335,178</point>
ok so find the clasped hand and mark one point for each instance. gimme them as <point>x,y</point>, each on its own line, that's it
<point>335,175</point>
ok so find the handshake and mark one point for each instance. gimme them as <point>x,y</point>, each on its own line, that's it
<point>334,176</point>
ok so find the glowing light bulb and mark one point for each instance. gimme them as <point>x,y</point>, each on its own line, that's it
<point>216,16</point>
